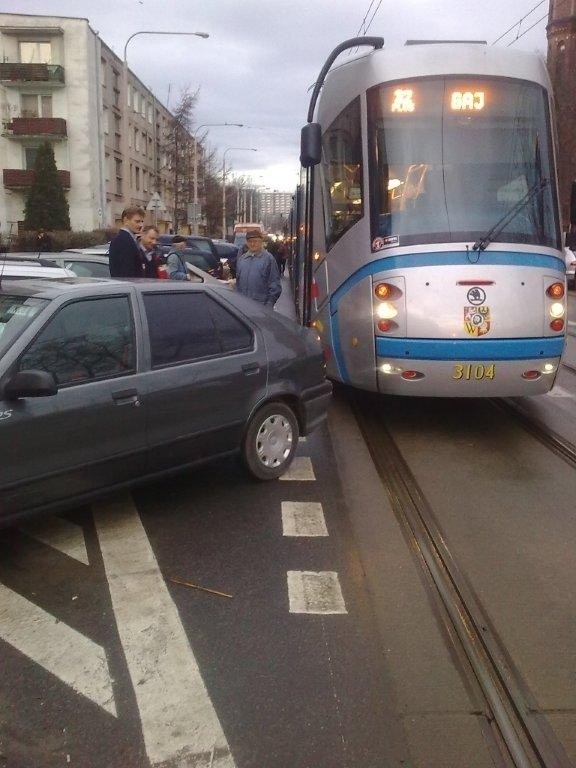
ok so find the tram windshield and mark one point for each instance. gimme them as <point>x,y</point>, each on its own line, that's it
<point>451,157</point>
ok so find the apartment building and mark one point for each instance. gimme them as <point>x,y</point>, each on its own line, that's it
<point>59,82</point>
<point>275,209</point>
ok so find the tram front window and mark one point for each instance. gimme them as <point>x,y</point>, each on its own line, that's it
<point>451,157</point>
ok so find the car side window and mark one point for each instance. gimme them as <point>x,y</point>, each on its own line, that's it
<point>187,326</point>
<point>86,340</point>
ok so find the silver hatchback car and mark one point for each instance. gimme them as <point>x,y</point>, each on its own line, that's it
<point>105,383</point>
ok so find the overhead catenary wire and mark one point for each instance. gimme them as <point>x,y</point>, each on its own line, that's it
<point>528,30</point>
<point>364,27</point>
<point>519,22</point>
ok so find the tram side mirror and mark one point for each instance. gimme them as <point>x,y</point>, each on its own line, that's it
<point>310,145</point>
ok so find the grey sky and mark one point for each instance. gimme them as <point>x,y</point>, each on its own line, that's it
<point>262,55</point>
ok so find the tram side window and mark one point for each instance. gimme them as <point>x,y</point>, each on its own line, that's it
<point>342,172</point>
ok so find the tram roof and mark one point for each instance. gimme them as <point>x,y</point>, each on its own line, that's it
<point>425,59</point>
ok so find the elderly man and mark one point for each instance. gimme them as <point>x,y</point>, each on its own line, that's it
<point>257,274</point>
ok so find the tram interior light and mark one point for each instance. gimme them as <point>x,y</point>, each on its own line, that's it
<point>394,184</point>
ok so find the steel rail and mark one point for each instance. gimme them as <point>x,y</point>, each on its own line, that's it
<point>528,739</point>
<point>548,437</point>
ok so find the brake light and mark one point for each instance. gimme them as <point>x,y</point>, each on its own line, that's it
<point>412,375</point>
<point>531,375</point>
<point>386,325</point>
<point>555,291</point>
<point>557,325</point>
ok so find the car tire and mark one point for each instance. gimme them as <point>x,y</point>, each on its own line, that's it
<point>270,441</point>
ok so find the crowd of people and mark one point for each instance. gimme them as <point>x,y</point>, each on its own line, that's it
<point>134,253</point>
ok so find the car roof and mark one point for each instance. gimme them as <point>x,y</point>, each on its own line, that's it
<point>93,286</point>
<point>29,269</point>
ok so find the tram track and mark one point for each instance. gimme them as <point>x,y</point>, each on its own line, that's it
<point>522,737</point>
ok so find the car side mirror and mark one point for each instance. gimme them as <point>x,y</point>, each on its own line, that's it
<point>311,145</point>
<point>30,384</point>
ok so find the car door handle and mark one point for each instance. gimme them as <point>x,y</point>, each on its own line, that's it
<point>126,397</point>
<point>250,369</point>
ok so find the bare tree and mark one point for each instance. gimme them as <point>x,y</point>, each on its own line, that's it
<point>179,148</point>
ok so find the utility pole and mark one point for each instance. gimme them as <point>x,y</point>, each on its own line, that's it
<point>561,33</point>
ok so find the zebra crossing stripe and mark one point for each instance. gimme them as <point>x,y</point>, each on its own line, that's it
<point>315,592</point>
<point>61,650</point>
<point>303,518</point>
<point>59,534</point>
<point>300,469</point>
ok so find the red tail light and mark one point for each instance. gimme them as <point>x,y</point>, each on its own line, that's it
<point>411,375</point>
<point>386,325</point>
<point>531,375</point>
<point>557,325</point>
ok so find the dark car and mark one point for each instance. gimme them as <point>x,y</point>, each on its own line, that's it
<point>105,383</point>
<point>199,245</point>
<point>229,252</point>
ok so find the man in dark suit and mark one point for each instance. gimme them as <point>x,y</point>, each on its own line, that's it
<point>125,253</point>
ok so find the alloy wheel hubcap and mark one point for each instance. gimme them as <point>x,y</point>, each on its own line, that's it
<point>274,440</point>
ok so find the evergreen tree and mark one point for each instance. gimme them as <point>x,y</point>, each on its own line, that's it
<point>46,205</point>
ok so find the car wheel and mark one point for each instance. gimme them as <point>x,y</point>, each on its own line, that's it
<point>270,441</point>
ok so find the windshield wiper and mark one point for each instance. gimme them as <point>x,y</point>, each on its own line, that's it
<point>481,244</point>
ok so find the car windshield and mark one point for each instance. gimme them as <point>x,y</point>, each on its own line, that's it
<point>16,314</point>
<point>452,157</point>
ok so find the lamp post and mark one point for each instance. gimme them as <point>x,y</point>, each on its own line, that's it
<point>195,134</point>
<point>125,158</point>
<point>229,149</point>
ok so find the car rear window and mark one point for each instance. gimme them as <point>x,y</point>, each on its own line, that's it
<point>186,326</point>
<point>16,314</point>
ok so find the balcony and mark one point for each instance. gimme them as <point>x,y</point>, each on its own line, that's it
<point>15,178</point>
<point>36,127</point>
<point>17,74</point>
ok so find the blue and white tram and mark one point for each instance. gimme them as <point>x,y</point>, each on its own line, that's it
<point>429,256</point>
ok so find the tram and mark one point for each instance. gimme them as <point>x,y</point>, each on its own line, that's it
<point>428,248</point>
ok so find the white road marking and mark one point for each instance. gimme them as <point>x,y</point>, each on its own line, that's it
<point>300,469</point>
<point>559,392</point>
<point>303,518</point>
<point>179,723</point>
<point>72,657</point>
<point>59,534</point>
<point>315,592</point>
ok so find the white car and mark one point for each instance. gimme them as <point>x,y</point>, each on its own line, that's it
<point>22,266</point>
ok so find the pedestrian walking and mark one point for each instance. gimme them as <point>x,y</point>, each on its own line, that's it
<point>257,274</point>
<point>126,258</point>
<point>148,241</point>
<point>177,269</point>
<point>43,241</point>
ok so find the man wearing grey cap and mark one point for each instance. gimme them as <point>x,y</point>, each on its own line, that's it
<point>257,274</point>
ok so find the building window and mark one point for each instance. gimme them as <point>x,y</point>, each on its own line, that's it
<point>35,52</point>
<point>137,178</point>
<point>150,113</point>
<point>129,95</point>
<point>107,166</point>
<point>30,154</point>
<point>136,140</point>
<point>144,180</point>
<point>36,105</point>
<point>106,120</point>
<point>118,176</point>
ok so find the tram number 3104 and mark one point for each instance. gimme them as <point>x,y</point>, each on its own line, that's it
<point>476,372</point>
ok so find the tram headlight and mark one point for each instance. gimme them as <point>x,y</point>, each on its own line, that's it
<point>557,309</point>
<point>549,368</point>
<point>386,311</point>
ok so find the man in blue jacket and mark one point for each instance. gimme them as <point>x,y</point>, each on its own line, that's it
<point>125,254</point>
<point>257,274</point>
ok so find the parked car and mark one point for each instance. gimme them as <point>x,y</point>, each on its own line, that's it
<point>229,252</point>
<point>15,266</point>
<point>199,245</point>
<point>106,383</point>
<point>85,265</point>
<point>92,250</point>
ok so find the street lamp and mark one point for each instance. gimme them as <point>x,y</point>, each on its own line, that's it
<point>229,149</point>
<point>195,134</point>
<point>125,158</point>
